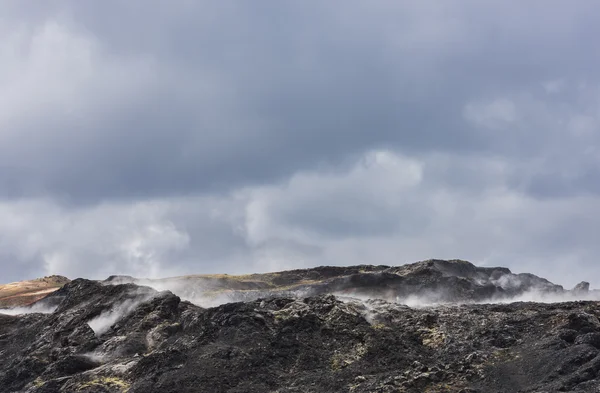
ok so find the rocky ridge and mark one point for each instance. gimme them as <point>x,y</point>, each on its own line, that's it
<point>431,281</point>
<point>125,337</point>
<point>24,293</point>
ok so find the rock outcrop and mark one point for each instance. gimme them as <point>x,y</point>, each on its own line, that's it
<point>582,287</point>
<point>131,338</point>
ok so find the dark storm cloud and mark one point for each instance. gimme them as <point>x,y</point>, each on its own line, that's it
<point>196,97</point>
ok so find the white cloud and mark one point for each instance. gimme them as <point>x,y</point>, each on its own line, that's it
<point>195,138</point>
<point>384,209</point>
<point>358,202</point>
<point>495,225</point>
<point>99,241</point>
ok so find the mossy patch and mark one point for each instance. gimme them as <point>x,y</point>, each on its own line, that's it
<point>432,337</point>
<point>38,382</point>
<point>112,383</point>
<point>341,360</point>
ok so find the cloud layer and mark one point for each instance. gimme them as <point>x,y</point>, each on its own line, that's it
<point>153,139</point>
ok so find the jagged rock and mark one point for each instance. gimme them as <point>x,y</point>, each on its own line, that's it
<point>120,279</point>
<point>582,287</point>
<point>130,338</point>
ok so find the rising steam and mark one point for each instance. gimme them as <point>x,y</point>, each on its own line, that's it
<point>36,308</point>
<point>103,322</point>
<point>495,285</point>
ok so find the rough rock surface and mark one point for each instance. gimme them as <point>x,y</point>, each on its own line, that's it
<point>582,287</point>
<point>130,338</point>
<point>26,292</point>
<point>433,281</point>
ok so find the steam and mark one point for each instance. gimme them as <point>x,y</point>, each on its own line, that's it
<point>94,357</point>
<point>509,288</point>
<point>433,299</point>
<point>103,322</point>
<point>500,285</point>
<point>36,308</point>
<point>192,291</point>
<point>507,282</point>
<point>207,295</point>
<point>539,296</point>
<point>195,293</point>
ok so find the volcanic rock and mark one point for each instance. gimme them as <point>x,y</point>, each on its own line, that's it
<point>132,338</point>
<point>582,287</point>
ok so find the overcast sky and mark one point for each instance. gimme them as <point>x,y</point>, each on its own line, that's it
<point>157,138</point>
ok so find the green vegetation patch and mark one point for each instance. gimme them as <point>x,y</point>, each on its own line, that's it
<point>105,382</point>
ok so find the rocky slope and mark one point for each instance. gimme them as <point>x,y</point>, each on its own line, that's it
<point>24,293</point>
<point>301,338</point>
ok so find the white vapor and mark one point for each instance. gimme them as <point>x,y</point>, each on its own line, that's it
<point>103,322</point>
<point>33,309</point>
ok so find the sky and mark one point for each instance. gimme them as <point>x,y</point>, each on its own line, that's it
<point>159,138</point>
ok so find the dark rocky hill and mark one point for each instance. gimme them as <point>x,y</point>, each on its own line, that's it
<point>432,281</point>
<point>299,337</point>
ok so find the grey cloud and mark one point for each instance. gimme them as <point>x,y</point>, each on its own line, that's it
<point>156,138</point>
<point>373,198</point>
<point>149,238</point>
<point>400,212</point>
<point>191,98</point>
<point>496,225</point>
